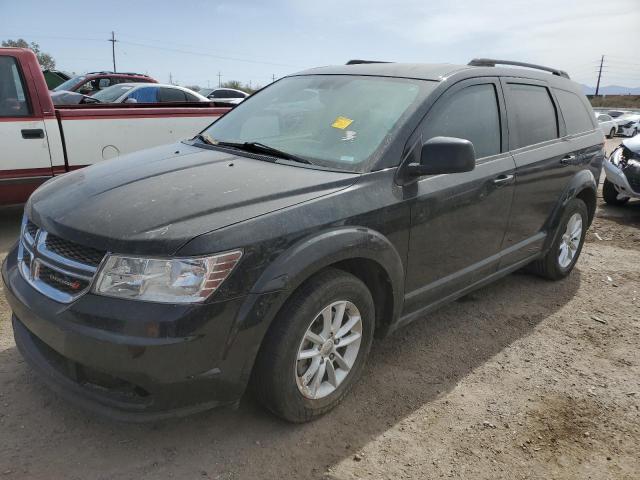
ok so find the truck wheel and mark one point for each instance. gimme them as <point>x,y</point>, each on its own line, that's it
<point>566,248</point>
<point>610,194</point>
<point>316,348</point>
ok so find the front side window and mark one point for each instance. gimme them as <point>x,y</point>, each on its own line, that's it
<point>144,95</point>
<point>534,118</point>
<point>576,116</point>
<point>472,114</point>
<point>13,100</point>
<point>336,121</point>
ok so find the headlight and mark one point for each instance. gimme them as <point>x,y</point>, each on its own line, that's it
<point>166,280</point>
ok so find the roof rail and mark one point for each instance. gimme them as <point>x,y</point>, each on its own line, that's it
<point>359,62</point>
<point>490,62</point>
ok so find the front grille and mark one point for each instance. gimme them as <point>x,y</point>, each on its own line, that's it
<point>31,229</point>
<point>60,269</point>
<point>73,251</point>
<point>61,281</point>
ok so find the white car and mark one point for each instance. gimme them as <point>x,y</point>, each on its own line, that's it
<point>147,93</point>
<point>607,124</point>
<point>229,96</point>
<point>628,125</point>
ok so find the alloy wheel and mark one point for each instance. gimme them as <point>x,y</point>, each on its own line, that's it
<point>328,350</point>
<point>570,241</point>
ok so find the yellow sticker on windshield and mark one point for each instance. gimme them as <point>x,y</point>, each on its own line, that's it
<point>342,123</point>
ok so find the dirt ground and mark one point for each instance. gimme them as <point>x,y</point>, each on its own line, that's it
<point>522,379</point>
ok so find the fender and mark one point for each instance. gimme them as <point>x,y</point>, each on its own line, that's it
<point>306,257</point>
<point>582,181</point>
<point>322,249</point>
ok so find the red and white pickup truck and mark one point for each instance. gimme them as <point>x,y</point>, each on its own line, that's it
<point>38,140</point>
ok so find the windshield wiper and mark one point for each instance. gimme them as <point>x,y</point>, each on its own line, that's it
<point>203,137</point>
<point>262,148</point>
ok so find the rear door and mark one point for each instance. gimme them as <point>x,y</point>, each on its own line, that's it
<point>544,164</point>
<point>458,221</point>
<point>25,161</point>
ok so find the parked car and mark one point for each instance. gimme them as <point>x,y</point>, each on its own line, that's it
<point>140,93</point>
<point>622,170</point>
<point>607,124</point>
<point>629,125</point>
<point>271,252</point>
<point>93,82</point>
<point>227,95</point>
<point>40,140</point>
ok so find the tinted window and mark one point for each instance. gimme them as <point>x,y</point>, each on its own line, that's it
<point>191,98</point>
<point>13,100</point>
<point>472,114</point>
<point>145,95</point>
<point>576,116</point>
<point>222,94</point>
<point>604,118</point>
<point>533,115</point>
<point>171,95</point>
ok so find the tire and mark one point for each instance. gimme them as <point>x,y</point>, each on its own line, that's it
<point>635,132</point>
<point>551,266</point>
<point>610,194</point>
<point>612,133</point>
<point>279,375</point>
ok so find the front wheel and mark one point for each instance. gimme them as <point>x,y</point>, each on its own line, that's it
<point>611,195</point>
<point>316,348</point>
<point>566,248</point>
<point>612,133</point>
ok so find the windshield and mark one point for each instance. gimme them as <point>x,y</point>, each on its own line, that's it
<point>69,84</point>
<point>111,94</point>
<point>335,121</point>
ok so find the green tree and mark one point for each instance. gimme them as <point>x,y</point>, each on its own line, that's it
<point>233,84</point>
<point>45,60</point>
<point>195,88</point>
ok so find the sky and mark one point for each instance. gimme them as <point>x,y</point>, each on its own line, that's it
<point>255,41</point>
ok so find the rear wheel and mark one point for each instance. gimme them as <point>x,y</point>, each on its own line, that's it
<point>611,195</point>
<point>566,248</point>
<point>635,132</point>
<point>612,133</point>
<point>316,348</point>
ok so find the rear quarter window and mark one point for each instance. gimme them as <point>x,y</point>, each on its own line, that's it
<point>576,116</point>
<point>532,115</point>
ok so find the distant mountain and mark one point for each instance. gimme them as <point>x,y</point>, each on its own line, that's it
<point>611,90</point>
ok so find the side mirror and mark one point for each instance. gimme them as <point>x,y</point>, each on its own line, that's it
<point>444,155</point>
<point>130,100</point>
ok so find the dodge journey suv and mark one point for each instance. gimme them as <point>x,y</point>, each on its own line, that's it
<point>335,205</point>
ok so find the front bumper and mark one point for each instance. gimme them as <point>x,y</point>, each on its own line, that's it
<point>619,179</point>
<point>136,361</point>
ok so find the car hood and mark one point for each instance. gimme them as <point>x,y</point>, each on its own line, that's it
<point>633,144</point>
<point>152,202</point>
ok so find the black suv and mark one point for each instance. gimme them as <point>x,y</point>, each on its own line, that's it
<point>335,205</point>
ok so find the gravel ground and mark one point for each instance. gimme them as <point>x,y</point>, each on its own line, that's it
<point>522,379</point>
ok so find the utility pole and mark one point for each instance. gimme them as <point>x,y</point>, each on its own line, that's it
<point>219,81</point>
<point>113,49</point>
<point>273,77</point>
<point>170,79</point>
<point>599,75</point>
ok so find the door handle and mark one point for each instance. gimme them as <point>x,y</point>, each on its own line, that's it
<point>29,133</point>
<point>568,160</point>
<point>503,179</point>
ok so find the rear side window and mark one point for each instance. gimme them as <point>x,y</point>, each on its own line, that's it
<point>534,116</point>
<point>171,95</point>
<point>472,114</point>
<point>576,116</point>
<point>13,100</point>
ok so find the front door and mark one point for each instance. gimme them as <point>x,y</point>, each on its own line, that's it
<point>458,220</point>
<point>24,159</point>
